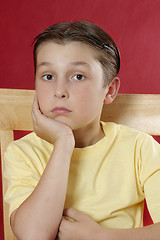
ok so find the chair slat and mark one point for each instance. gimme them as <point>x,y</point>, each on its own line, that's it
<point>6,137</point>
<point>16,108</point>
<point>140,111</point>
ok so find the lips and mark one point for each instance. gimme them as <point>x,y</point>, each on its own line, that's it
<point>61,110</point>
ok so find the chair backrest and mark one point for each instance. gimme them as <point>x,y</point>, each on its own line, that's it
<point>15,114</point>
<point>141,111</point>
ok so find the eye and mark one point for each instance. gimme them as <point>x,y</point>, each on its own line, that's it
<point>48,77</point>
<point>78,77</point>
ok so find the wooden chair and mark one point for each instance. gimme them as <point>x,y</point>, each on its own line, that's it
<point>141,111</point>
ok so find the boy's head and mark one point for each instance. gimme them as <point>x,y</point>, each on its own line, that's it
<point>89,34</point>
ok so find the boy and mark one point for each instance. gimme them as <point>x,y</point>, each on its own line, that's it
<point>75,177</point>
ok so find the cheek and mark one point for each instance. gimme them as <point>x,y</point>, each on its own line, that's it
<point>42,90</point>
<point>91,96</point>
<point>90,102</point>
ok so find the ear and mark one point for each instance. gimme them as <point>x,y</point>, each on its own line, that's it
<point>112,90</point>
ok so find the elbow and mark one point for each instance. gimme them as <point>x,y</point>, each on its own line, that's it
<point>34,237</point>
<point>33,234</point>
<point>24,230</point>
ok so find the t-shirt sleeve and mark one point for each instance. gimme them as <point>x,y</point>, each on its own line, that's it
<point>149,166</point>
<point>21,174</point>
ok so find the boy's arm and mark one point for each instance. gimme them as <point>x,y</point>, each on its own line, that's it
<point>151,232</point>
<point>39,216</point>
<point>85,228</point>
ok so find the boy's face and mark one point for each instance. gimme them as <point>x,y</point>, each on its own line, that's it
<point>69,83</point>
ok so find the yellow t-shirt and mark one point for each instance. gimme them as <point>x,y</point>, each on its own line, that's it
<point>108,180</point>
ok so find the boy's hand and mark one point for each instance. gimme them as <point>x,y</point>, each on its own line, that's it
<point>47,128</point>
<point>82,228</point>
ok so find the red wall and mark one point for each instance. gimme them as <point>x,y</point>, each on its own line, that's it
<point>134,25</point>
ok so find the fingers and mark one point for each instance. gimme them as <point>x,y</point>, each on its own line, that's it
<point>48,128</point>
<point>74,214</point>
<point>33,110</point>
<point>35,107</point>
<point>63,225</point>
<point>36,112</point>
<point>37,115</point>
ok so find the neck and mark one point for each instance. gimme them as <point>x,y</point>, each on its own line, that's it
<point>88,135</point>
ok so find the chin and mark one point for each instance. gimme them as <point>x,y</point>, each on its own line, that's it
<point>63,120</point>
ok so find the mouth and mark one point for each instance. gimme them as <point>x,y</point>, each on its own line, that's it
<point>60,110</point>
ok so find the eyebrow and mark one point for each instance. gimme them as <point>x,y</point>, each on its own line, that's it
<point>41,64</point>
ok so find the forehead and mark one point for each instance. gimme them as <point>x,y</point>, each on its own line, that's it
<point>67,56</point>
<point>72,49</point>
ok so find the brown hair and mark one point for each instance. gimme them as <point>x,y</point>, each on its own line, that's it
<point>87,33</point>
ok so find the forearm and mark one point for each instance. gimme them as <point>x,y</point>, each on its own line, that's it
<point>39,216</point>
<point>151,232</point>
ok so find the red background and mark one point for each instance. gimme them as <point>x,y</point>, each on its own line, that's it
<point>134,25</point>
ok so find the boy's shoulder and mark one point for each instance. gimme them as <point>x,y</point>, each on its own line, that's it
<point>30,140</point>
<point>129,138</point>
<point>123,131</point>
<point>120,127</point>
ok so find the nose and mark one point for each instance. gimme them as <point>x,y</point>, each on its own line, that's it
<point>61,90</point>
